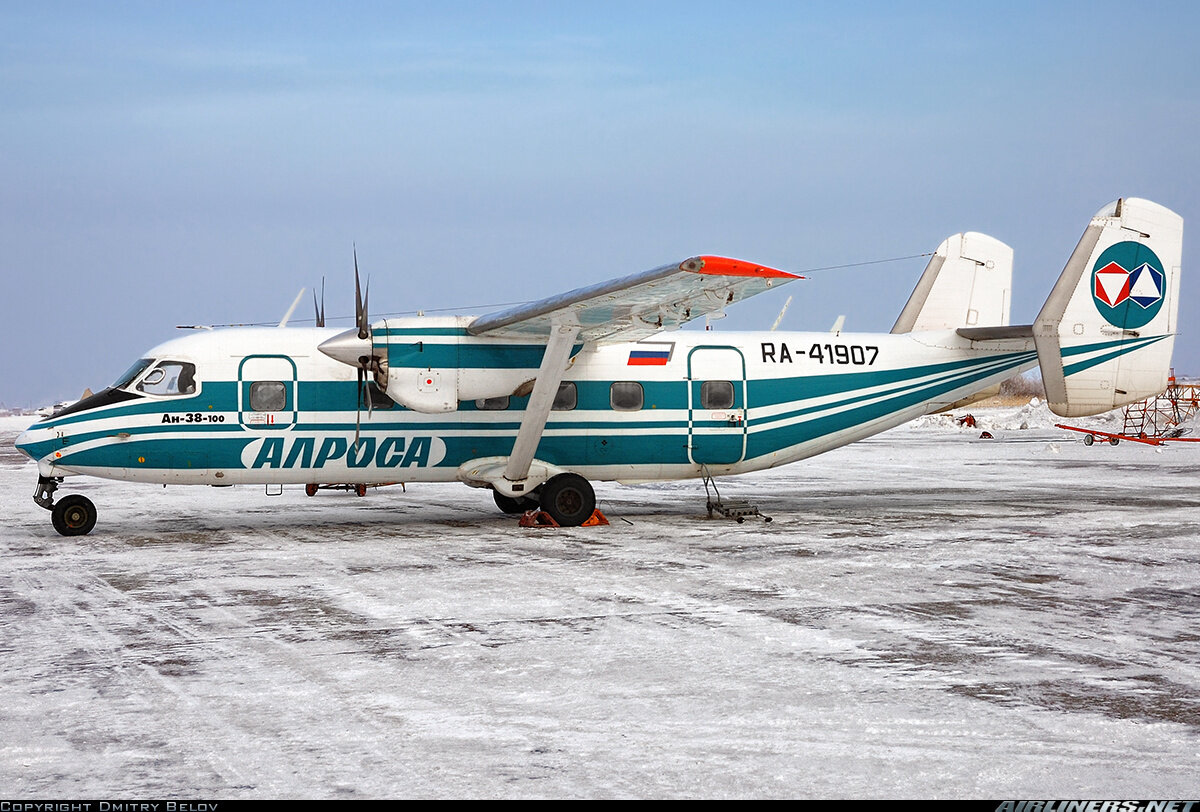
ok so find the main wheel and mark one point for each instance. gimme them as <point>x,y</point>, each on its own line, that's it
<point>510,504</point>
<point>74,515</point>
<point>569,499</point>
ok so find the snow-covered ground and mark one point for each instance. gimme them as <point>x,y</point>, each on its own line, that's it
<point>930,614</point>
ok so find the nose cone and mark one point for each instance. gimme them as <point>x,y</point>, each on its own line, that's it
<point>28,441</point>
<point>347,347</point>
<point>24,440</point>
<point>42,446</point>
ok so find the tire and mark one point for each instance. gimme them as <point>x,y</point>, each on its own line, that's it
<point>1088,439</point>
<point>569,499</point>
<point>1114,440</point>
<point>310,490</point>
<point>511,505</point>
<point>74,515</point>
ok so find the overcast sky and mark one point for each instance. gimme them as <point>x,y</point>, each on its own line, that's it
<point>199,163</point>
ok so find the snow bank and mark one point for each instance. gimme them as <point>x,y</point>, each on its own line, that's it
<point>1033,415</point>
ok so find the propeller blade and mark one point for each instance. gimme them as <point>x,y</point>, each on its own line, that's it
<point>358,410</point>
<point>357,294</point>
<point>319,309</point>
<point>364,330</point>
<point>360,304</point>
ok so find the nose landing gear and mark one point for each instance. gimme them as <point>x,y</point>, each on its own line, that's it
<point>73,515</point>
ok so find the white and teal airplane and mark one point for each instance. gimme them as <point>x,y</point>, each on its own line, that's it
<point>597,384</point>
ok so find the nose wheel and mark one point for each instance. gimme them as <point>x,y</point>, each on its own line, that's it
<point>72,515</point>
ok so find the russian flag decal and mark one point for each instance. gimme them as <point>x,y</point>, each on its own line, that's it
<point>651,358</point>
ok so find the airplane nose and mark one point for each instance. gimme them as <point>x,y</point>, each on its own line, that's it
<point>23,442</point>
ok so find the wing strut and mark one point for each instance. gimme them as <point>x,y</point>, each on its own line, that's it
<point>537,412</point>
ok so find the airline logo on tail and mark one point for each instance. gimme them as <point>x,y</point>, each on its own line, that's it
<point>1127,285</point>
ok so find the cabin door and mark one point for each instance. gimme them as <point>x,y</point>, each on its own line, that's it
<point>716,405</point>
<point>267,392</point>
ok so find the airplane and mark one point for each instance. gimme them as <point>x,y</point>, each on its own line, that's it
<point>538,401</point>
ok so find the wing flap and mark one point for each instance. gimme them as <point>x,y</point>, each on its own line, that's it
<point>638,305</point>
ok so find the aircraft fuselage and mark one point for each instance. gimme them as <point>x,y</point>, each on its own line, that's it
<point>264,406</point>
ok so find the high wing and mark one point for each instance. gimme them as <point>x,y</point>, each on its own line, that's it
<point>636,306</point>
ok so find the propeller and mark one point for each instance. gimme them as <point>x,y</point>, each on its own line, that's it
<point>356,347</point>
<point>366,363</point>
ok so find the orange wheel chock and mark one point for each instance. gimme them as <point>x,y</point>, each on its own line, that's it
<point>596,519</point>
<point>537,518</point>
<point>540,518</point>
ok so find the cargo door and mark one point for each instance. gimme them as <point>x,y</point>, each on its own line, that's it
<point>267,392</point>
<point>716,405</point>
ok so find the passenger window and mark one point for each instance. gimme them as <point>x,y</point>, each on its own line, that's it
<point>716,395</point>
<point>170,378</point>
<point>567,397</point>
<point>626,396</point>
<point>268,396</point>
<point>492,404</point>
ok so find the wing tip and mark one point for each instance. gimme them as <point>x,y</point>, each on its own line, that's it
<point>724,266</point>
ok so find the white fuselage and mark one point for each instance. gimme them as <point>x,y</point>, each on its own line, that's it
<point>267,407</point>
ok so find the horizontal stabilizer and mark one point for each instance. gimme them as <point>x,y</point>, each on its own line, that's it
<point>996,333</point>
<point>967,283</point>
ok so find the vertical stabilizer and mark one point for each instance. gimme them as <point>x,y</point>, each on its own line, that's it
<point>967,283</point>
<point>1105,335</point>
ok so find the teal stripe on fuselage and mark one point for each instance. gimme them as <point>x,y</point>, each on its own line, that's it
<point>950,380</point>
<point>225,453</point>
<point>340,396</point>
<point>803,389</point>
<point>762,443</point>
<point>420,331</point>
<point>467,354</point>
<point>428,355</point>
<point>193,453</point>
<point>773,391</point>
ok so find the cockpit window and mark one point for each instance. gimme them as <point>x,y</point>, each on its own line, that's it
<point>131,374</point>
<point>170,378</point>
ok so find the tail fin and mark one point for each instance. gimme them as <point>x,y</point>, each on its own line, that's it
<point>967,283</point>
<point>1104,337</point>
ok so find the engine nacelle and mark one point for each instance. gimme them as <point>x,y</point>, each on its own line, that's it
<point>433,364</point>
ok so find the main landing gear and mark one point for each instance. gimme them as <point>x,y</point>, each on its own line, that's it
<point>512,505</point>
<point>567,498</point>
<point>73,515</point>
